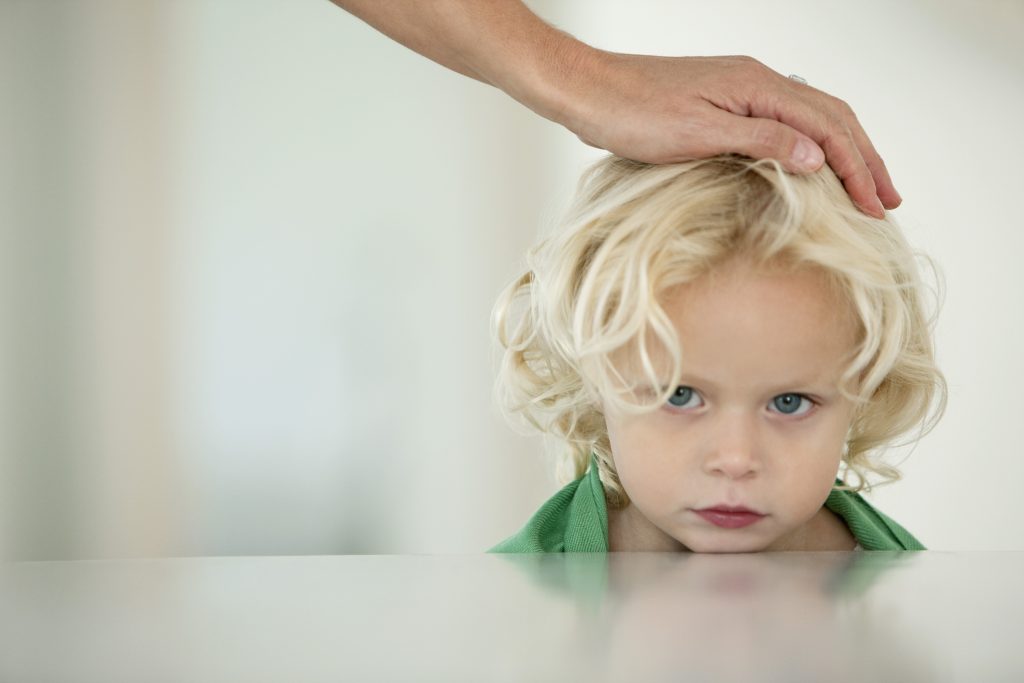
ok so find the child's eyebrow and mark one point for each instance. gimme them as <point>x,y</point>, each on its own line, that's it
<point>813,380</point>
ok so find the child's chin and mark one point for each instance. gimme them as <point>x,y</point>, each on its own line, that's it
<point>725,545</point>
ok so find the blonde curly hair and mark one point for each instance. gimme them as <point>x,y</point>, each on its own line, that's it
<point>590,299</point>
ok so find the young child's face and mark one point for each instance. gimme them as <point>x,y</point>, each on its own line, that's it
<point>757,422</point>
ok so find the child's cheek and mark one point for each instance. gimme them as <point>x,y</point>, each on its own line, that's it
<point>645,456</point>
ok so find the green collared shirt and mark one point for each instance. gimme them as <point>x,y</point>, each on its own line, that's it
<point>575,520</point>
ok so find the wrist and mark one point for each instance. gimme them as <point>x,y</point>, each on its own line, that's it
<point>564,91</point>
<point>554,76</point>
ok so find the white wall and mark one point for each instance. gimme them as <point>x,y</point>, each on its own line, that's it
<point>255,247</point>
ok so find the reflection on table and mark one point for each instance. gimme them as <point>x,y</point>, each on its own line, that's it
<point>619,617</point>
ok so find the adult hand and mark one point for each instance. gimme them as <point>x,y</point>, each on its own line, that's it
<point>666,109</point>
<point>652,109</point>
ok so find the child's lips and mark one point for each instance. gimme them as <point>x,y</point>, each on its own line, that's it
<point>730,516</point>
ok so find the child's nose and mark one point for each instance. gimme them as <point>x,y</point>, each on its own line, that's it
<point>733,448</point>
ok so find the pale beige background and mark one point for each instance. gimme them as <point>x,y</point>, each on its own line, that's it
<point>248,252</point>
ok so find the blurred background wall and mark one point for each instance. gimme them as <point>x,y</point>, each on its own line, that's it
<point>248,252</point>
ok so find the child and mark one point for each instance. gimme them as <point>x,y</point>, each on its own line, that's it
<point>712,340</point>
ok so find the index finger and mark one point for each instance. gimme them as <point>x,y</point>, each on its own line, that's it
<point>887,193</point>
<point>824,118</point>
<point>842,154</point>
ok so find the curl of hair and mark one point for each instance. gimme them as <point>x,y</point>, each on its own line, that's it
<point>589,300</point>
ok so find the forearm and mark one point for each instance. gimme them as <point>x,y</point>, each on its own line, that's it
<point>499,42</point>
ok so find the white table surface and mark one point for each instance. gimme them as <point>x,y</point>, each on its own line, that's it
<point>929,616</point>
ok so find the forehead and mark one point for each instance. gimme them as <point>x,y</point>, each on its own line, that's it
<point>741,324</point>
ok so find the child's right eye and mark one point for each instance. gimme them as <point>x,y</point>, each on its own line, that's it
<point>683,397</point>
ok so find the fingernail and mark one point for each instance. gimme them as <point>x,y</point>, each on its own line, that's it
<point>807,156</point>
<point>875,208</point>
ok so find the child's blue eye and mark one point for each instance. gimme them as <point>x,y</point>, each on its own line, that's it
<point>682,398</point>
<point>792,404</point>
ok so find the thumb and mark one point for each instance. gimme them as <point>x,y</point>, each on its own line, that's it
<point>768,139</point>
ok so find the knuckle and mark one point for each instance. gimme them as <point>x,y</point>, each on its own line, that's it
<point>844,108</point>
<point>759,67</point>
<point>838,125</point>
<point>751,65</point>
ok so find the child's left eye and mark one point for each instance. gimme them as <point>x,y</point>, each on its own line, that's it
<point>791,404</point>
